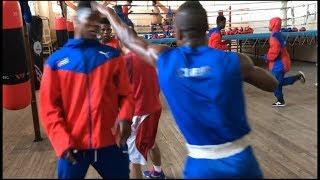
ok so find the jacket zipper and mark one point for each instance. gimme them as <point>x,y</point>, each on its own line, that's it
<point>90,118</point>
<point>90,122</point>
<point>89,105</point>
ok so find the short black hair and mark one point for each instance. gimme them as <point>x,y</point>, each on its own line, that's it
<point>129,1</point>
<point>220,19</point>
<point>104,20</point>
<point>192,17</point>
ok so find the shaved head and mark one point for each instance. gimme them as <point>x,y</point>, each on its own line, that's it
<point>191,16</point>
<point>191,22</point>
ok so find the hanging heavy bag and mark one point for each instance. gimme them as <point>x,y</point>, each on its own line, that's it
<point>15,76</point>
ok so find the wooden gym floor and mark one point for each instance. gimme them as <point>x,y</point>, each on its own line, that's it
<point>284,139</point>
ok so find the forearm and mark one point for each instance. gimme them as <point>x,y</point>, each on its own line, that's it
<point>125,34</point>
<point>162,7</point>
<point>262,80</point>
<point>256,76</point>
<point>130,39</point>
<point>121,29</point>
<point>71,5</point>
<point>156,9</point>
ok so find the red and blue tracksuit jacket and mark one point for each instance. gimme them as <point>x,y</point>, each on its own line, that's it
<point>85,88</point>
<point>215,39</point>
<point>278,58</point>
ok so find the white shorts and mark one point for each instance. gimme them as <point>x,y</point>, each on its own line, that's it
<point>142,138</point>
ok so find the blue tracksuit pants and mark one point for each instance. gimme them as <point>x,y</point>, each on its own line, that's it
<point>110,162</point>
<point>283,81</point>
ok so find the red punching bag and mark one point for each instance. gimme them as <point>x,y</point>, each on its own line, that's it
<point>70,29</point>
<point>60,25</point>
<point>15,78</point>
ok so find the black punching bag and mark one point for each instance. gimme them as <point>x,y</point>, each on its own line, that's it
<point>35,35</point>
<point>61,31</point>
<point>15,76</point>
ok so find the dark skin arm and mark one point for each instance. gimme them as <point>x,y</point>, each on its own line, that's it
<point>147,51</point>
<point>71,5</point>
<point>256,76</point>
<point>122,132</point>
<point>105,3</point>
<point>251,74</point>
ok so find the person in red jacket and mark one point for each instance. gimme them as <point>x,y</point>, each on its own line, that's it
<point>215,38</point>
<point>144,80</point>
<point>105,35</point>
<point>279,62</point>
<point>87,103</point>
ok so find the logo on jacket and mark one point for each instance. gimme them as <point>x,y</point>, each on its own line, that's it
<point>63,62</point>
<point>193,72</point>
<point>106,54</point>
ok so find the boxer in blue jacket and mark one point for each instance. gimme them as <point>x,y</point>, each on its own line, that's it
<point>203,87</point>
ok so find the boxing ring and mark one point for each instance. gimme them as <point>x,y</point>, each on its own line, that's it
<point>260,40</point>
<point>257,40</point>
<point>308,36</point>
<point>293,38</point>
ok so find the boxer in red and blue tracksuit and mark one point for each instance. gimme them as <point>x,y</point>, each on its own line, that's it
<point>87,104</point>
<point>278,60</point>
<point>215,38</point>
